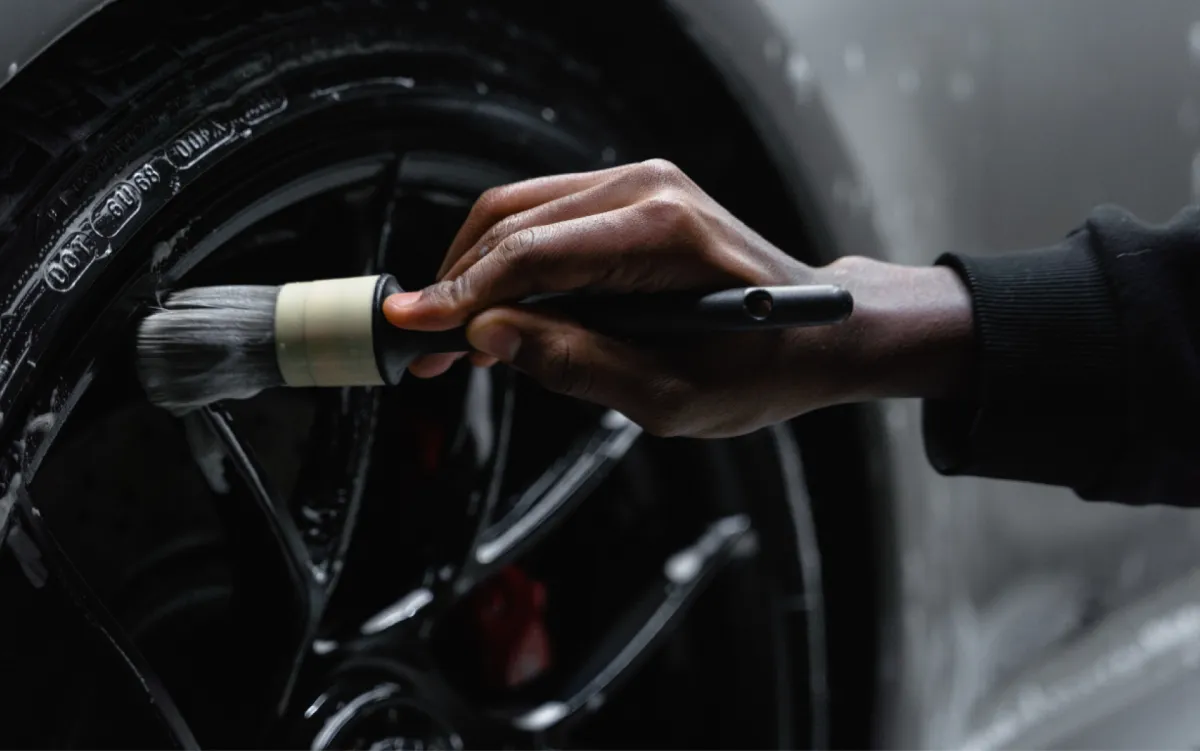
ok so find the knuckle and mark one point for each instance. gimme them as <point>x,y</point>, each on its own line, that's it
<point>498,232</point>
<point>662,171</point>
<point>667,212</point>
<point>518,247</point>
<point>454,293</point>
<point>491,201</point>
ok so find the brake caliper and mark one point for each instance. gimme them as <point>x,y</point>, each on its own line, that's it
<point>509,610</point>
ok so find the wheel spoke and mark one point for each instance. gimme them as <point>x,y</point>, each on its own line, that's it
<point>639,629</point>
<point>266,514</point>
<point>386,202</point>
<point>550,498</point>
<point>38,545</point>
<point>268,547</point>
<point>330,486</point>
<point>327,514</point>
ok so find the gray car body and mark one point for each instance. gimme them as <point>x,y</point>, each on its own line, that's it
<point>1018,616</point>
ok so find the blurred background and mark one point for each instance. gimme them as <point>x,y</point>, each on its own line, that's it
<point>256,579</point>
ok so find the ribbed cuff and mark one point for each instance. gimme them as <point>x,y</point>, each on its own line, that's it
<point>1050,378</point>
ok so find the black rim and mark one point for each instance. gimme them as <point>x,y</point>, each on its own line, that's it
<point>421,654</point>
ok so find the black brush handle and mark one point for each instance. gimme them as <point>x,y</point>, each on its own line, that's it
<point>739,309</point>
<point>632,315</point>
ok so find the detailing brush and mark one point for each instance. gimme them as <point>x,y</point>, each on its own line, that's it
<point>231,342</point>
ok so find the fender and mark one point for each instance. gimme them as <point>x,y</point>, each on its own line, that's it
<point>31,26</point>
<point>777,89</point>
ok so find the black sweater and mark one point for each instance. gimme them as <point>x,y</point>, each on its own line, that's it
<point>1088,364</point>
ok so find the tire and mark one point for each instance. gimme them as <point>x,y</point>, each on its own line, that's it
<point>126,160</point>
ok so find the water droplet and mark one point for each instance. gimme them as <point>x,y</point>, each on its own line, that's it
<point>909,81</point>
<point>773,50</point>
<point>1194,41</point>
<point>799,69</point>
<point>608,155</point>
<point>854,59</point>
<point>549,115</point>
<point>481,87</point>
<point>5,368</point>
<point>12,69</point>
<point>801,75</point>
<point>962,86</point>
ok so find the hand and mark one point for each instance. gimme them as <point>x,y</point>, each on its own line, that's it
<point>644,227</point>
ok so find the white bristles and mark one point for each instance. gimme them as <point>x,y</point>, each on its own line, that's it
<point>209,344</point>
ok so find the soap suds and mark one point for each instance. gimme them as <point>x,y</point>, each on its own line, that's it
<point>42,423</point>
<point>164,248</point>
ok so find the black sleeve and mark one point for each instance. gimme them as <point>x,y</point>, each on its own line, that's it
<point>1087,364</point>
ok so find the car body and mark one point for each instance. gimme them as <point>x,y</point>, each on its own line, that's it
<point>1011,615</point>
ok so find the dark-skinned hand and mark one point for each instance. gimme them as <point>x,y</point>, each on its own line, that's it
<point>647,227</point>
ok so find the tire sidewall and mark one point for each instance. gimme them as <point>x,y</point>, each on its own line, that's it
<point>229,95</point>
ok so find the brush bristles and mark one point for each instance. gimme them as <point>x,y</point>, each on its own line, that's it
<point>208,344</point>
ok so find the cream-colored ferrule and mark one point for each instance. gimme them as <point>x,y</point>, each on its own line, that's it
<point>323,333</point>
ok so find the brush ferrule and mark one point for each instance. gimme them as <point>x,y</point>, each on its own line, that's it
<point>324,332</point>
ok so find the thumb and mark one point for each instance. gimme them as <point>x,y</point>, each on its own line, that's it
<point>562,355</point>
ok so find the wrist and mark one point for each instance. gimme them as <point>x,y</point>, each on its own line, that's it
<point>910,335</point>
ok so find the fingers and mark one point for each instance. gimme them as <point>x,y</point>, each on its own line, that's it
<point>609,222</point>
<point>606,196</point>
<point>635,248</point>
<point>504,201</point>
<point>568,359</point>
<point>429,366</point>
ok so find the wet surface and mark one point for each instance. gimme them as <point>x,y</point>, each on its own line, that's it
<point>985,126</point>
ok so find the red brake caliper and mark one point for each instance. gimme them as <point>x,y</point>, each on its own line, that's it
<point>509,609</point>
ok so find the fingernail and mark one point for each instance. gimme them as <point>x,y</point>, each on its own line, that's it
<point>401,300</point>
<point>497,339</point>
